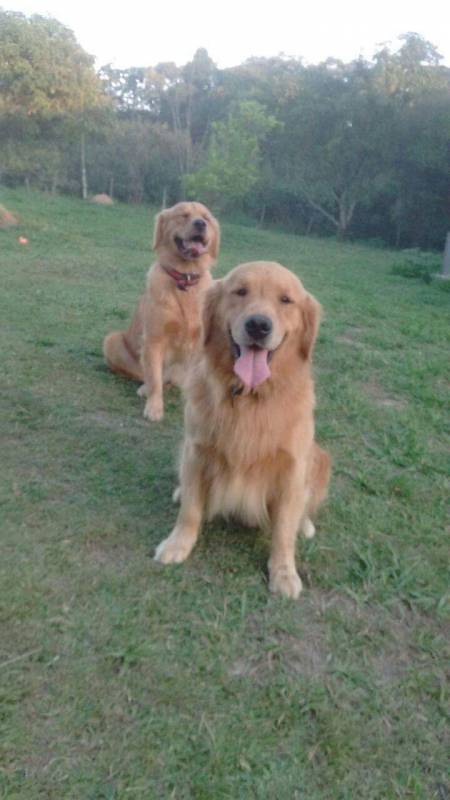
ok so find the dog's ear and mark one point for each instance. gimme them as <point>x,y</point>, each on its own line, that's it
<point>215,242</point>
<point>158,233</point>
<point>210,303</point>
<point>311,315</point>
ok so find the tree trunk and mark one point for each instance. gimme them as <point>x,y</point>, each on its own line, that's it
<point>345,217</point>
<point>310,224</point>
<point>262,216</point>
<point>398,221</point>
<point>164,198</point>
<point>84,186</point>
<point>173,104</point>
<point>188,163</point>
<point>111,186</point>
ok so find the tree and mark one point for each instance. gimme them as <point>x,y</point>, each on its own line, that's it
<point>329,148</point>
<point>136,159</point>
<point>231,169</point>
<point>46,81</point>
<point>417,90</point>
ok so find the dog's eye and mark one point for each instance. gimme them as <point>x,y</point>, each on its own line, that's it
<point>285,299</point>
<point>186,216</point>
<point>241,292</point>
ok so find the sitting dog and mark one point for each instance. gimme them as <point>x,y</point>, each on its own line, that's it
<point>249,448</point>
<point>166,326</point>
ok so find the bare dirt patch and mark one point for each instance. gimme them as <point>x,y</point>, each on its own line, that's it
<point>381,398</point>
<point>269,649</point>
<point>389,651</point>
<point>106,554</point>
<point>352,337</point>
<point>102,199</point>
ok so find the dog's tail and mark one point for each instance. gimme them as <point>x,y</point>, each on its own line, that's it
<point>320,477</point>
<point>120,357</point>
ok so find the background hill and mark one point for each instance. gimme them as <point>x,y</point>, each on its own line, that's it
<point>123,679</point>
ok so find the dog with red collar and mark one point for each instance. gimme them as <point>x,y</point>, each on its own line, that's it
<point>166,326</point>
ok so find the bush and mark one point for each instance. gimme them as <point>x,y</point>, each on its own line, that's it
<point>417,264</point>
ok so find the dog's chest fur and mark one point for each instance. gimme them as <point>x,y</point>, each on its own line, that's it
<point>248,452</point>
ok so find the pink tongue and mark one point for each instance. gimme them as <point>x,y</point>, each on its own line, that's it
<point>251,366</point>
<point>196,248</point>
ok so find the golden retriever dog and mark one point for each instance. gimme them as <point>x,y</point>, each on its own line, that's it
<point>249,448</point>
<point>166,326</point>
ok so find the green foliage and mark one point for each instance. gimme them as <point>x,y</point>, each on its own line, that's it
<point>233,162</point>
<point>50,96</point>
<point>124,679</point>
<point>359,150</point>
<point>34,160</point>
<point>134,159</point>
<point>43,70</point>
<point>417,264</point>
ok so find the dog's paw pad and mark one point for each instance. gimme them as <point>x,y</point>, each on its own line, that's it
<point>286,582</point>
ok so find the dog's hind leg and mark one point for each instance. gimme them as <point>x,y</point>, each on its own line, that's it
<point>120,357</point>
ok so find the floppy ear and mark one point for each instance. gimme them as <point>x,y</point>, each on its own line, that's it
<point>215,243</point>
<point>158,233</point>
<point>311,314</point>
<point>210,303</point>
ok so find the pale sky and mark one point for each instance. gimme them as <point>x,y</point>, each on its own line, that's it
<point>134,33</point>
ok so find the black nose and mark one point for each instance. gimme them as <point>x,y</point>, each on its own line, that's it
<point>258,326</point>
<point>200,224</point>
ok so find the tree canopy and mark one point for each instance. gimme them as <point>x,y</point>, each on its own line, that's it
<point>357,149</point>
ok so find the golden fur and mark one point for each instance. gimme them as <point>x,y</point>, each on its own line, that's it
<point>166,326</point>
<point>250,452</point>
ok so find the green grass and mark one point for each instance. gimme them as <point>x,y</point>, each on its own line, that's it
<point>122,679</point>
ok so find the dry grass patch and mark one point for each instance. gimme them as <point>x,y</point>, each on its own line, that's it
<point>102,199</point>
<point>378,395</point>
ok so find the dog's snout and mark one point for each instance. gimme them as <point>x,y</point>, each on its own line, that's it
<point>199,224</point>
<point>258,326</point>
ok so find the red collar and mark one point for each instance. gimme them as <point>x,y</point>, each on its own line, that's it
<point>183,280</point>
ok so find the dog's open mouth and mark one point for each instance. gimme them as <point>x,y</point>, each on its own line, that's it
<point>192,248</point>
<point>251,363</point>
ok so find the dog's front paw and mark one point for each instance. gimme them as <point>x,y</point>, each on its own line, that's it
<point>285,581</point>
<point>308,529</point>
<point>154,409</point>
<point>142,391</point>
<point>174,549</point>
<point>176,496</point>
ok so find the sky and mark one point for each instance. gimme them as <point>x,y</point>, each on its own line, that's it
<point>135,33</point>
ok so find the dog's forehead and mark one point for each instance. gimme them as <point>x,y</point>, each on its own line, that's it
<point>189,208</point>
<point>264,273</point>
<point>180,208</point>
<point>199,209</point>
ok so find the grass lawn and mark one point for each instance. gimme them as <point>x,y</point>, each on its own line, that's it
<point>120,678</point>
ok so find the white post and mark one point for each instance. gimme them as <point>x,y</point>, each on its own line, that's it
<point>446,260</point>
